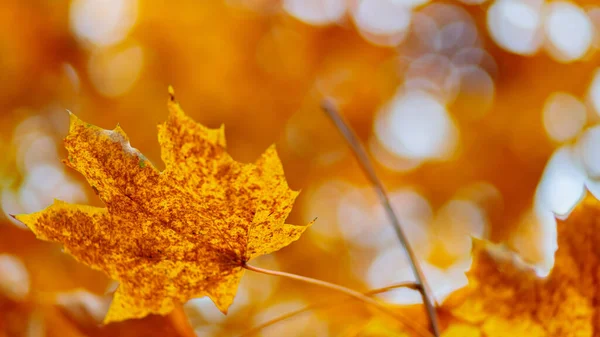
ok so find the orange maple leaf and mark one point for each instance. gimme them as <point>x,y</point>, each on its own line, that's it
<point>506,298</point>
<point>173,235</point>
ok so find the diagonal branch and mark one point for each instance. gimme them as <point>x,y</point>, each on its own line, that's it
<point>365,163</point>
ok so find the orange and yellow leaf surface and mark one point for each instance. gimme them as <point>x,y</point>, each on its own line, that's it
<point>173,235</point>
<point>506,298</point>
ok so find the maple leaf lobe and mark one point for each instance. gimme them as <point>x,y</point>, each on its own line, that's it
<point>173,235</point>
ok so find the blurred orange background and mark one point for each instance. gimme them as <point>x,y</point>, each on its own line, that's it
<point>480,116</point>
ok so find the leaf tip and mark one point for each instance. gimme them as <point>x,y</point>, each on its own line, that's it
<point>58,202</point>
<point>19,218</point>
<point>221,136</point>
<point>478,245</point>
<point>73,120</point>
<point>173,105</point>
<point>119,130</point>
<point>171,93</point>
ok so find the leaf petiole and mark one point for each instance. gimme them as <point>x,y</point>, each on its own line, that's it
<point>323,304</point>
<point>347,291</point>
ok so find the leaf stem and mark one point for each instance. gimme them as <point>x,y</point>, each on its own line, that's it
<point>347,291</point>
<point>322,304</point>
<point>365,163</point>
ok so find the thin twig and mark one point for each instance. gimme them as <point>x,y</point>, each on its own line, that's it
<point>365,163</point>
<point>322,304</point>
<point>347,291</point>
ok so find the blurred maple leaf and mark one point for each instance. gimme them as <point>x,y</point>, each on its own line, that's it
<point>173,235</point>
<point>506,298</point>
<point>73,317</point>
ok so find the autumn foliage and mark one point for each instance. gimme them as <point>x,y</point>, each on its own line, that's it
<point>482,125</point>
